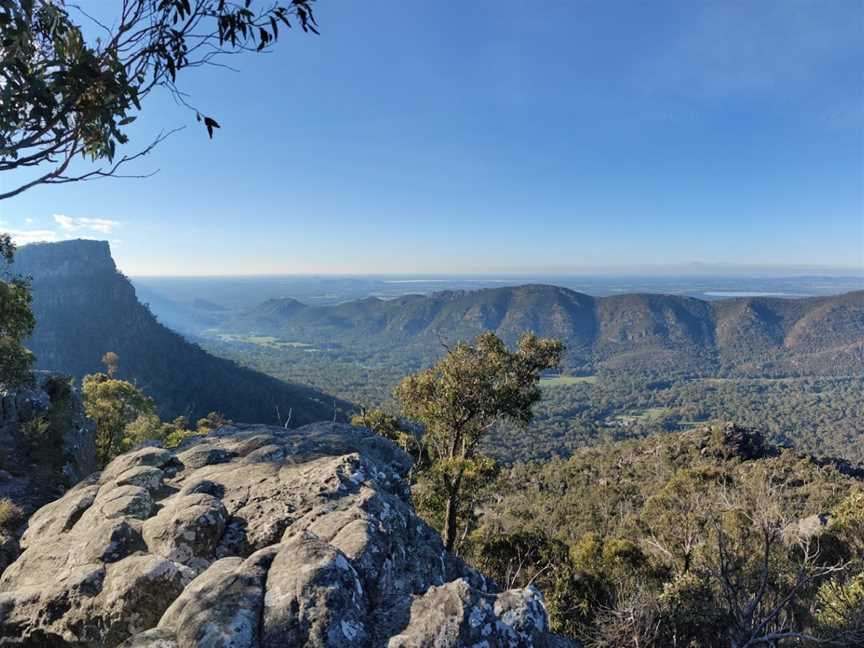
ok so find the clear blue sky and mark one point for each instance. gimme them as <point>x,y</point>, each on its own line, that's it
<point>507,135</point>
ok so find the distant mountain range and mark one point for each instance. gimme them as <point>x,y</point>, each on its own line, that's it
<point>84,307</point>
<point>751,335</point>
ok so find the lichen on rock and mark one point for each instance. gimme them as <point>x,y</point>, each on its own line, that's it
<point>255,537</point>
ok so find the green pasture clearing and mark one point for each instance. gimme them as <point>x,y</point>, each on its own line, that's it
<point>267,341</point>
<point>561,381</point>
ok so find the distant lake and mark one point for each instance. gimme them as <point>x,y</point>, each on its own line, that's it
<point>745,293</point>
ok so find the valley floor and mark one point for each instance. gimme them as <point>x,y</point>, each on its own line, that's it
<point>815,414</point>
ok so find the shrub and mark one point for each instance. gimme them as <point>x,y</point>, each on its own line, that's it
<point>10,514</point>
<point>43,435</point>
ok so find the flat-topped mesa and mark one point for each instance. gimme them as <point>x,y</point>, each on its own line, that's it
<point>79,257</point>
<point>255,537</point>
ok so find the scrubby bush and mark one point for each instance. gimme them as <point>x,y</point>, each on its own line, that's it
<point>672,543</point>
<point>10,515</point>
<point>43,435</point>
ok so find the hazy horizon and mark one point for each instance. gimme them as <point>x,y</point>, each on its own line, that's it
<point>689,269</point>
<point>766,272</point>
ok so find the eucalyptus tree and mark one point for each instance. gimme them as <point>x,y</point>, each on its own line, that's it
<point>461,399</point>
<point>16,320</point>
<point>72,81</point>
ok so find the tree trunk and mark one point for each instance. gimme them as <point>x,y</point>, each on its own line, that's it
<point>450,516</point>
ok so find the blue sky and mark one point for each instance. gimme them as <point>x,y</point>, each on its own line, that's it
<point>501,136</point>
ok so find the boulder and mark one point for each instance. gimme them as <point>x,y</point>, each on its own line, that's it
<point>255,537</point>
<point>455,614</point>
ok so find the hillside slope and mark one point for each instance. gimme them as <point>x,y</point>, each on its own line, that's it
<point>754,335</point>
<point>84,307</point>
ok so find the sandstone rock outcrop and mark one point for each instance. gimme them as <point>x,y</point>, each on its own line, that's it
<point>254,537</point>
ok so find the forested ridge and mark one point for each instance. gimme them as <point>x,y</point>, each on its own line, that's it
<point>753,336</point>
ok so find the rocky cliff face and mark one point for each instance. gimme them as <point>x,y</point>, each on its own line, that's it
<point>78,258</point>
<point>46,445</point>
<point>84,308</point>
<point>77,436</point>
<point>253,537</point>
